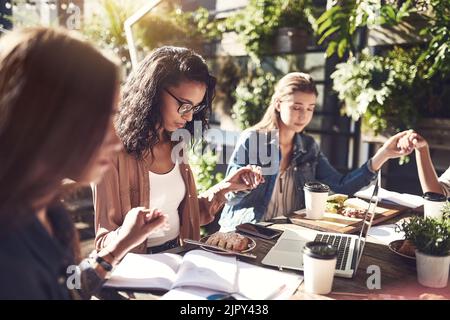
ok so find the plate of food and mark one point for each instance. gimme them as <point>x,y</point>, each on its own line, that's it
<point>228,240</point>
<point>403,248</point>
<point>335,203</point>
<point>348,207</point>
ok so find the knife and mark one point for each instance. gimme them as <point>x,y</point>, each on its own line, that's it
<point>199,243</point>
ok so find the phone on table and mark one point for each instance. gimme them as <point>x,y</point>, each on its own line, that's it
<point>258,231</point>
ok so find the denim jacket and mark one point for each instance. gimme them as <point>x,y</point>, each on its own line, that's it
<point>309,163</point>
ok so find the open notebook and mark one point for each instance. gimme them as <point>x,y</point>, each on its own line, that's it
<point>201,271</point>
<point>166,271</point>
<point>255,283</point>
<point>403,199</point>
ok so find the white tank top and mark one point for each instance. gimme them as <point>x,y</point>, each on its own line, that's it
<point>166,193</point>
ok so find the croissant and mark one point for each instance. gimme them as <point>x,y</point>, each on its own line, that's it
<point>231,241</point>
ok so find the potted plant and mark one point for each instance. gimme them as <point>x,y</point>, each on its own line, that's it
<point>272,26</point>
<point>293,28</point>
<point>431,237</point>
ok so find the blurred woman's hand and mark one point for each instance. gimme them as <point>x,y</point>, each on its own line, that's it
<point>139,223</point>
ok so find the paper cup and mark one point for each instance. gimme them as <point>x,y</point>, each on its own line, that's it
<point>319,263</point>
<point>316,195</point>
<point>433,203</point>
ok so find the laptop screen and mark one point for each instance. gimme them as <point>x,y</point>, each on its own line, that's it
<point>369,215</point>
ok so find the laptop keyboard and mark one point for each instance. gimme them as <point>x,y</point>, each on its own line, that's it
<point>341,243</point>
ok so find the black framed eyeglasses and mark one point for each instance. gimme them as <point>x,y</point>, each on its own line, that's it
<point>186,107</point>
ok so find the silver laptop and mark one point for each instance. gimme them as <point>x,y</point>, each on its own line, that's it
<point>288,251</point>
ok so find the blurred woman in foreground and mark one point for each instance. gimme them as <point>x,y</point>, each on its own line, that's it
<point>57,99</point>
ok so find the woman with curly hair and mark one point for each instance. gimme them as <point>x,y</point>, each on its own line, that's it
<point>172,89</point>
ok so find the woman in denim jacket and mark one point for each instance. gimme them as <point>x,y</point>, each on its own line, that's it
<point>289,157</point>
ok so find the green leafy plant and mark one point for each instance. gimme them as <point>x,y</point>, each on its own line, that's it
<point>446,210</point>
<point>170,28</point>
<point>338,25</point>
<point>203,167</point>
<point>188,29</point>
<point>430,236</point>
<point>205,25</point>
<point>378,89</point>
<point>257,24</point>
<point>230,75</point>
<point>390,92</point>
<point>105,27</point>
<point>253,96</point>
<point>438,51</point>
<point>166,26</point>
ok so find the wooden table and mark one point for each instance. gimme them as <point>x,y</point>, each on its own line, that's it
<point>398,277</point>
<point>397,274</point>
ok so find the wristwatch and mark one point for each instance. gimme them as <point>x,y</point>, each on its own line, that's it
<point>105,264</point>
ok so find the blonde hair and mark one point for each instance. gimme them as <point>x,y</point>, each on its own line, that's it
<point>290,83</point>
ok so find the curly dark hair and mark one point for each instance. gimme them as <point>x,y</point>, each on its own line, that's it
<point>139,116</point>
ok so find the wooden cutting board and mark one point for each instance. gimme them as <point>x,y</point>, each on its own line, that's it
<point>333,222</point>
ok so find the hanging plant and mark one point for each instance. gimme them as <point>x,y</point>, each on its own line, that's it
<point>377,89</point>
<point>257,24</point>
<point>338,25</point>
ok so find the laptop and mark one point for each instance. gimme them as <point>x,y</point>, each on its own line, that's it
<point>288,251</point>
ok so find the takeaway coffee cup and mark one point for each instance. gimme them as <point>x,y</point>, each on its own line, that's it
<point>433,204</point>
<point>316,195</point>
<point>319,263</point>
